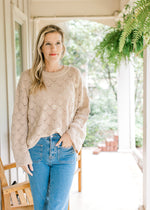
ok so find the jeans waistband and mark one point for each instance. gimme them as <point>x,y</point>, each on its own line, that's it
<point>55,135</point>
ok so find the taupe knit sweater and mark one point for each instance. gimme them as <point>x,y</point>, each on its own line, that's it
<point>62,107</point>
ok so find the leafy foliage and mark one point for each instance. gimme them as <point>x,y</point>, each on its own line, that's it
<point>127,37</point>
<point>138,21</point>
<point>82,38</point>
<point>108,50</point>
<point>138,67</point>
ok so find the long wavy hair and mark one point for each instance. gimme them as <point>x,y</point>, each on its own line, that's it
<point>39,64</point>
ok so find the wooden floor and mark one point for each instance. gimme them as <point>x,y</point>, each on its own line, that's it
<point>110,181</point>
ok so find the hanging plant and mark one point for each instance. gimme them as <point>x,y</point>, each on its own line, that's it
<point>109,50</point>
<point>139,22</point>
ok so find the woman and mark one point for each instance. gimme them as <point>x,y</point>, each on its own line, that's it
<point>49,121</point>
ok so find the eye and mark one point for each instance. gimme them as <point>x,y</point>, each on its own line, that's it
<point>58,43</point>
<point>47,43</point>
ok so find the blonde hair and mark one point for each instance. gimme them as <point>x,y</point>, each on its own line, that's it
<point>39,64</point>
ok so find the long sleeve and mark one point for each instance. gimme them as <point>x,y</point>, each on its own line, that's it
<point>62,107</point>
<point>77,128</point>
<point>19,128</point>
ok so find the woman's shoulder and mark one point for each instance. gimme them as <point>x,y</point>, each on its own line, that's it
<point>25,79</point>
<point>25,75</point>
<point>74,70</point>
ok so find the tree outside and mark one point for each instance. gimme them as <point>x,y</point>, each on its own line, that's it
<point>81,41</point>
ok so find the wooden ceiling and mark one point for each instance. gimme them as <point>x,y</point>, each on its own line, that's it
<point>78,8</point>
<point>104,11</point>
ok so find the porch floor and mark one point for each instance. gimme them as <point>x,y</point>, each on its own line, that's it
<point>110,181</point>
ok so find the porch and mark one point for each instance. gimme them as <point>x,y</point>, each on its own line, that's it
<point>110,181</point>
<point>118,183</point>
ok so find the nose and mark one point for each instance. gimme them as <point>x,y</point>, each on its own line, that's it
<point>53,46</point>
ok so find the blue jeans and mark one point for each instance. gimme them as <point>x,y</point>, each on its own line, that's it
<point>54,168</point>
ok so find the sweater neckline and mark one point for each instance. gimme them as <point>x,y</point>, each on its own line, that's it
<point>56,73</point>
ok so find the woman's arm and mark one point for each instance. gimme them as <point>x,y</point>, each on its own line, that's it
<point>19,128</point>
<point>77,128</point>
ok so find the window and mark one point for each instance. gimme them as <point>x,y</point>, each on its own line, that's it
<point>18,50</point>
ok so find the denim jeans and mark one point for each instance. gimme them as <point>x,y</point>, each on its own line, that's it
<point>54,168</point>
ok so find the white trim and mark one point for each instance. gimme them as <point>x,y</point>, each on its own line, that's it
<point>65,18</point>
<point>19,17</point>
<point>59,19</point>
<point>9,75</point>
<point>3,87</point>
<point>146,131</point>
<point>25,6</point>
<point>20,5</point>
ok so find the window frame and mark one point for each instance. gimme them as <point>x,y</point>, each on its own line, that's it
<point>20,18</point>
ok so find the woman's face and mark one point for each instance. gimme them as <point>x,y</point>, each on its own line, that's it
<point>52,47</point>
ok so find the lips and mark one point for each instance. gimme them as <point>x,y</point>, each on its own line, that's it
<point>53,54</point>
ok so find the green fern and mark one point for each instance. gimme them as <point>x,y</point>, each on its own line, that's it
<point>128,28</point>
<point>108,49</point>
<point>127,38</point>
<point>139,21</point>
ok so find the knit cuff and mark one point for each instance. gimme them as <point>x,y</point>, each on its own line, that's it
<point>23,158</point>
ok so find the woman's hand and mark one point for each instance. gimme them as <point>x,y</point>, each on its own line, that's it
<point>66,140</point>
<point>26,169</point>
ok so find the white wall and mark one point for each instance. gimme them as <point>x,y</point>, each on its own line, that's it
<point>4,143</point>
<point>10,11</point>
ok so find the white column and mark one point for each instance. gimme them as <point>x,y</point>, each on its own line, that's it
<point>146,131</point>
<point>4,127</point>
<point>132,106</point>
<point>126,112</point>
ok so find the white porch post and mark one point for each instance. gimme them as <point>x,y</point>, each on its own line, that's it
<point>146,131</point>
<point>126,111</point>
